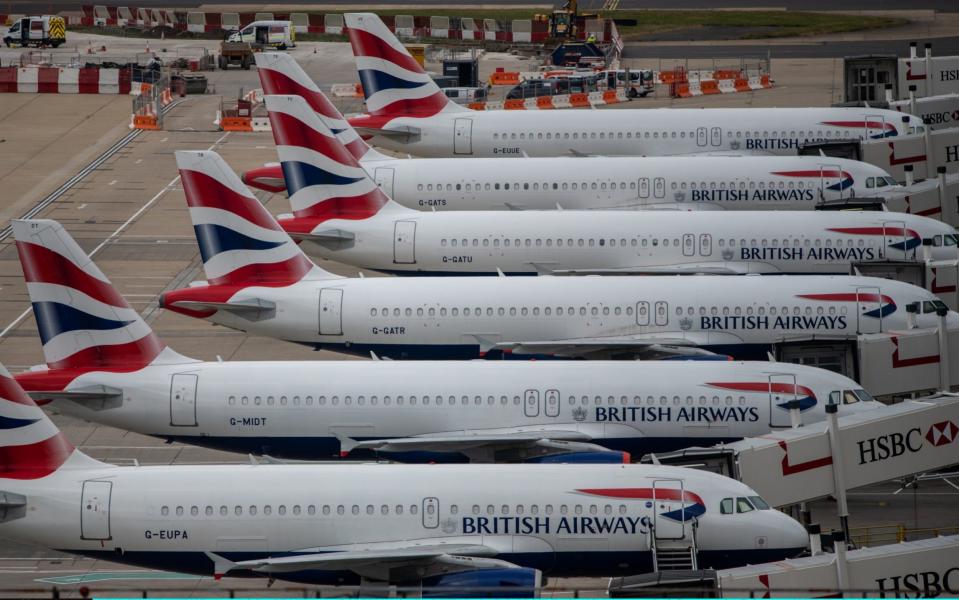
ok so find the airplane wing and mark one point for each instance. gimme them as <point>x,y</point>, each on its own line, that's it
<point>375,561</point>
<point>645,346</point>
<point>483,446</point>
<point>700,268</point>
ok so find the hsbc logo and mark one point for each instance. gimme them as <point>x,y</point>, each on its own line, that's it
<point>925,584</point>
<point>896,444</point>
<point>942,433</point>
<point>939,118</point>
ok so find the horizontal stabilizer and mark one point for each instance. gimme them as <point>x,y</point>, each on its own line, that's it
<point>253,309</point>
<point>400,134</point>
<point>93,393</point>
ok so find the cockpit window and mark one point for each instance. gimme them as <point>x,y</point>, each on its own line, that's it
<point>759,503</point>
<point>743,505</point>
<point>871,182</point>
<point>726,506</point>
<point>931,306</point>
<point>881,182</point>
<point>847,396</point>
<point>951,239</point>
<point>863,395</point>
<point>891,181</point>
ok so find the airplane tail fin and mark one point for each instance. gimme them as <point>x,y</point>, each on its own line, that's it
<point>280,75</point>
<point>395,85</point>
<point>31,446</point>
<point>323,179</point>
<point>240,241</point>
<point>83,320</point>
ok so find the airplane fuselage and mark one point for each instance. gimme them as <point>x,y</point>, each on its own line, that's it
<point>563,519</point>
<point>626,182</point>
<point>460,318</point>
<point>537,242</point>
<point>297,409</point>
<point>626,132</point>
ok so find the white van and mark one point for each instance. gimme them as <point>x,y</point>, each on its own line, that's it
<point>275,34</point>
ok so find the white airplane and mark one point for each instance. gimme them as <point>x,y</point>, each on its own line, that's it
<point>626,182</point>
<point>447,528</point>
<point>482,411</point>
<point>409,113</point>
<point>259,281</point>
<point>338,207</point>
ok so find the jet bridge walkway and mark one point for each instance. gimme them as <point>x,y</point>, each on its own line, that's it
<point>802,464</point>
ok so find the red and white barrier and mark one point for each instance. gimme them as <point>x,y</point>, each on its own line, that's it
<point>440,27</point>
<point>58,80</point>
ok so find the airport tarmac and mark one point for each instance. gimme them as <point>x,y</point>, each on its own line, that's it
<point>129,212</point>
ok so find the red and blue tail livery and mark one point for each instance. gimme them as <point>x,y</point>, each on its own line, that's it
<point>280,75</point>
<point>324,180</point>
<point>84,322</point>
<point>394,84</point>
<point>31,446</point>
<point>240,242</point>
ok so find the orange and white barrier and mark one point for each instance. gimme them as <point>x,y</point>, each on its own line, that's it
<point>504,78</point>
<point>558,101</point>
<point>701,87</point>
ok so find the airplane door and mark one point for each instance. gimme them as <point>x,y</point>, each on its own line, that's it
<point>404,240</point>
<point>431,513</point>
<point>659,187</point>
<point>463,136</point>
<point>779,394</point>
<point>644,187</point>
<point>895,239</point>
<point>183,400</point>
<point>552,403</point>
<point>331,311</point>
<point>830,178</point>
<point>705,245</point>
<point>668,497</point>
<point>642,313</point>
<point>701,136</point>
<point>716,136</point>
<point>531,403</point>
<point>384,179</point>
<point>689,244</point>
<point>662,313</point>
<point>875,125</point>
<point>95,510</point>
<point>868,310</point>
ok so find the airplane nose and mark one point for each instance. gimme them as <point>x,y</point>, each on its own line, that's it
<point>792,534</point>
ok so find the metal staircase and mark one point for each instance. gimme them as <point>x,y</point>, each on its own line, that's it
<point>674,554</point>
<point>675,559</point>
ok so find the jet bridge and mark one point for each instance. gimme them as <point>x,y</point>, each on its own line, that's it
<point>920,569</point>
<point>802,464</point>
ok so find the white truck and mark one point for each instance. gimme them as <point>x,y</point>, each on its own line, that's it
<point>261,34</point>
<point>46,30</point>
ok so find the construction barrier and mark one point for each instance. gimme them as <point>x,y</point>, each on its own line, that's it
<point>558,101</point>
<point>63,80</point>
<point>408,26</point>
<point>504,78</point>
